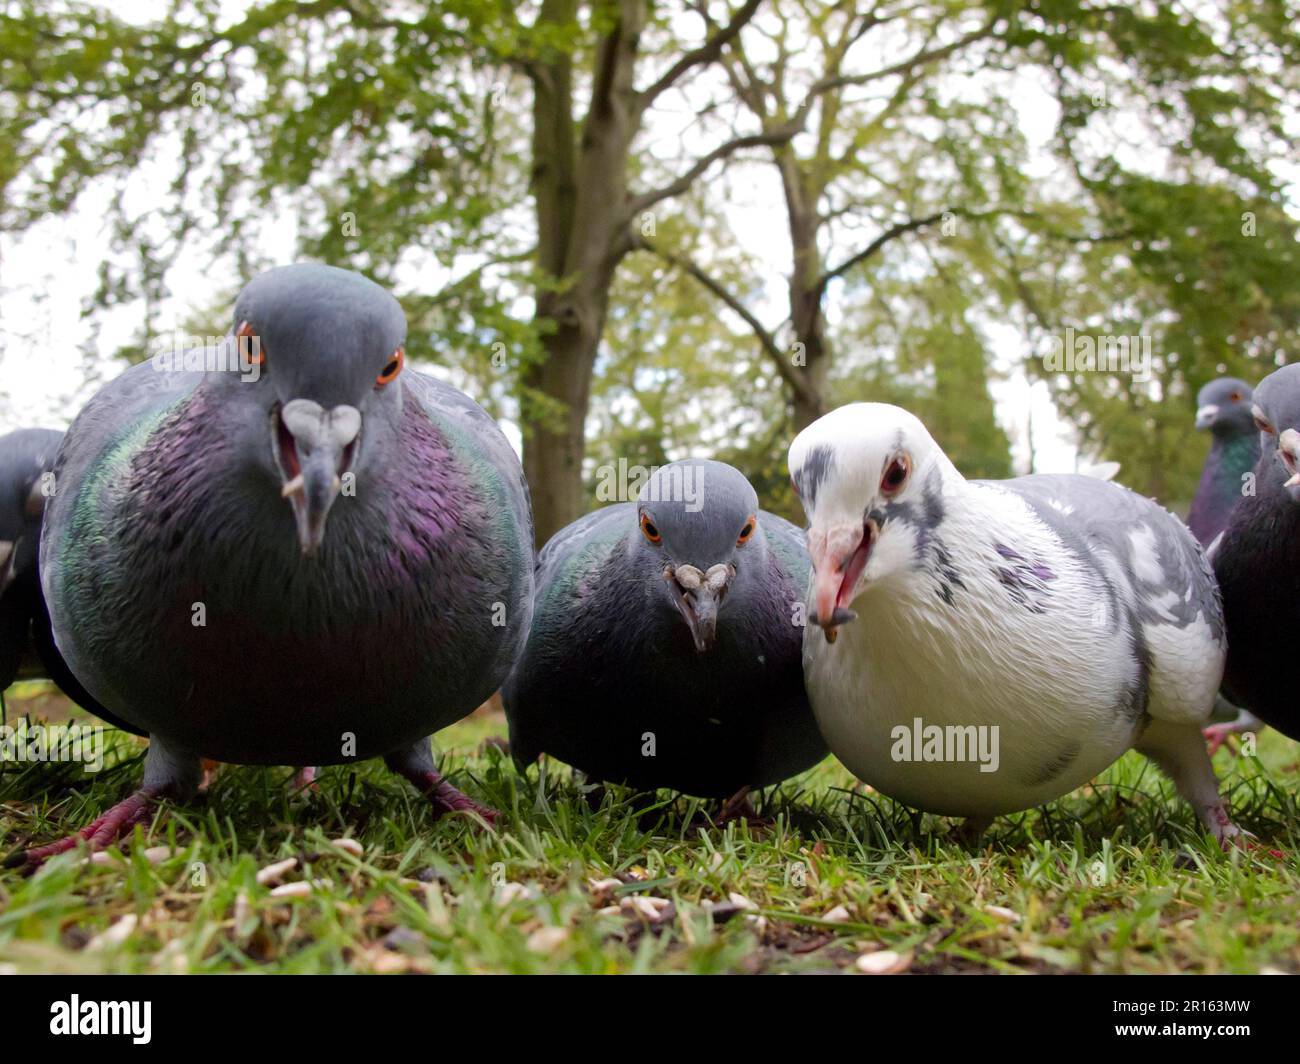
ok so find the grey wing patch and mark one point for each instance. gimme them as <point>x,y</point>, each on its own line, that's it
<point>1027,581</point>
<point>1109,527</point>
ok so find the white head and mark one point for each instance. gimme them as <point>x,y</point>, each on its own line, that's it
<point>872,482</point>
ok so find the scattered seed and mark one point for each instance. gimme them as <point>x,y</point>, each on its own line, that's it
<point>883,962</point>
<point>839,915</point>
<point>273,873</point>
<point>653,909</point>
<point>547,939</point>
<point>1001,912</point>
<point>742,902</point>
<point>508,892</point>
<point>115,935</point>
<point>292,890</point>
<point>348,846</point>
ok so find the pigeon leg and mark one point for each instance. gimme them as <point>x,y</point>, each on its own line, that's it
<point>738,807</point>
<point>210,769</point>
<point>415,764</point>
<point>972,830</point>
<point>167,774</point>
<point>1179,749</point>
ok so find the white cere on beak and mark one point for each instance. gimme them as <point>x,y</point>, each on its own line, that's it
<point>311,424</point>
<point>1289,445</point>
<point>688,576</point>
<point>716,578</point>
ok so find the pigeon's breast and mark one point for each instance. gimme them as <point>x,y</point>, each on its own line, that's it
<point>980,706</point>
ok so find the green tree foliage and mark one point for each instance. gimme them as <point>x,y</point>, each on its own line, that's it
<point>491,163</point>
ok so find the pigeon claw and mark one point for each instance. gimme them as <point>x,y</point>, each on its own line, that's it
<point>100,833</point>
<point>447,799</point>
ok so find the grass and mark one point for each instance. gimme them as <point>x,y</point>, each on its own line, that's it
<point>1115,877</point>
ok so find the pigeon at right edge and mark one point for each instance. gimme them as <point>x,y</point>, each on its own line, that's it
<point>1223,409</point>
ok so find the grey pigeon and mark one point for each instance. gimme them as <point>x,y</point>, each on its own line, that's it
<point>1223,408</point>
<point>296,552</point>
<point>999,642</point>
<point>665,643</point>
<point>1257,562</point>
<point>26,640</point>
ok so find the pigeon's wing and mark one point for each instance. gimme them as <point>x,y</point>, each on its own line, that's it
<point>95,456</point>
<point>1160,574</point>
<point>789,546</point>
<point>582,546</point>
<point>492,467</point>
<point>475,435</point>
<point>567,571</point>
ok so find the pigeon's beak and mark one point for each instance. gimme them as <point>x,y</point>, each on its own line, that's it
<point>698,597</point>
<point>839,555</point>
<point>1288,449</point>
<point>314,449</point>
<point>1205,416</point>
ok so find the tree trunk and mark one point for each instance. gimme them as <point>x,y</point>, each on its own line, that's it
<point>580,189</point>
<point>553,451</point>
<point>807,320</point>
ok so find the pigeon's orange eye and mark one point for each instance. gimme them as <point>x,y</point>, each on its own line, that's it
<point>393,368</point>
<point>649,531</point>
<point>250,345</point>
<point>746,532</point>
<point>1235,397</point>
<point>896,475</point>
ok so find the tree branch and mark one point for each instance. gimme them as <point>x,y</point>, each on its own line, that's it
<point>676,187</point>
<point>912,224</point>
<point>766,339</point>
<point>922,57</point>
<point>892,233</point>
<point>706,53</point>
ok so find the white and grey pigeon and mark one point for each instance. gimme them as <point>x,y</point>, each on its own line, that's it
<point>999,642</point>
